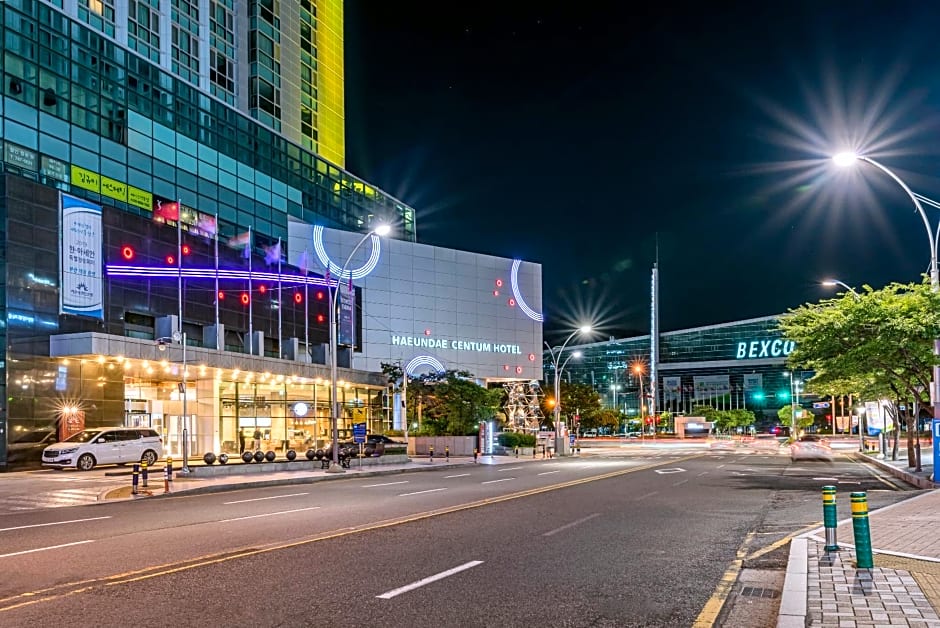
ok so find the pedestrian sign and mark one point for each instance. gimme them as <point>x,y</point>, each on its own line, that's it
<point>359,432</point>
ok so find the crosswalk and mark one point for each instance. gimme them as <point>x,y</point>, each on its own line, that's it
<point>49,499</point>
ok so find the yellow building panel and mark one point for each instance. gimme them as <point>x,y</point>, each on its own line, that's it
<point>331,114</point>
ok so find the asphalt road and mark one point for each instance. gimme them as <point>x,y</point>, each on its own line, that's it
<point>624,537</point>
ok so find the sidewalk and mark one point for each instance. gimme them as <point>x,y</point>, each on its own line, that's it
<point>903,588</point>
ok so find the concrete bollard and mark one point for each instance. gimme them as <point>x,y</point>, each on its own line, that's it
<point>863,557</point>
<point>135,479</point>
<point>829,517</point>
<point>143,473</point>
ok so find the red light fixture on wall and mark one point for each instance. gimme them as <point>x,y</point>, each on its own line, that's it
<point>319,295</point>
<point>186,250</point>
<point>298,298</point>
<point>170,260</point>
<point>246,298</point>
<point>221,296</point>
<point>127,252</point>
<point>499,283</point>
<point>512,302</point>
<point>320,318</point>
<point>262,288</point>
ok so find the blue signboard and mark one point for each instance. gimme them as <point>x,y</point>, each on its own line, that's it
<point>935,432</point>
<point>359,432</point>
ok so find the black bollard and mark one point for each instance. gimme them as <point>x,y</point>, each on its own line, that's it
<point>446,453</point>
<point>475,450</point>
<point>431,452</point>
<point>134,479</point>
<point>143,473</point>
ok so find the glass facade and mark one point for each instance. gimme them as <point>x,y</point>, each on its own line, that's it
<point>733,365</point>
<point>129,108</point>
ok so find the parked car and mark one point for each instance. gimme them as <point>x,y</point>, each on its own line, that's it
<point>810,447</point>
<point>113,445</point>
<point>382,438</point>
<point>27,448</point>
<point>591,433</point>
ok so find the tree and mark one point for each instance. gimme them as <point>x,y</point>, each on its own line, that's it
<point>449,402</point>
<point>880,342</point>
<point>607,417</point>
<point>575,398</point>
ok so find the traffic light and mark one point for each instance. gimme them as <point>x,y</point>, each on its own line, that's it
<point>783,395</point>
<point>759,395</point>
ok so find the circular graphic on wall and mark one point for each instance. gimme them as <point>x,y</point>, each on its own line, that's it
<point>520,300</point>
<point>424,360</point>
<point>337,271</point>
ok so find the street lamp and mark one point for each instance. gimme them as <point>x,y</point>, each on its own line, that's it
<point>380,230</point>
<point>848,158</point>
<point>161,345</point>
<point>555,353</point>
<point>835,282</point>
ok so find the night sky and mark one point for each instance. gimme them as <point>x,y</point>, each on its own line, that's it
<point>578,135</point>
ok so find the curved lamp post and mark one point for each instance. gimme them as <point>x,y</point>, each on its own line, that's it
<point>849,158</point>
<point>835,282</point>
<point>556,352</point>
<point>380,230</point>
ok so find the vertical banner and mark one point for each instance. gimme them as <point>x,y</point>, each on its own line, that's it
<point>347,318</point>
<point>753,381</point>
<point>396,411</point>
<point>81,287</point>
<point>711,386</point>
<point>672,388</point>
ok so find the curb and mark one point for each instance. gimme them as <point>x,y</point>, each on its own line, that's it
<point>259,483</point>
<point>912,479</point>
<point>792,612</point>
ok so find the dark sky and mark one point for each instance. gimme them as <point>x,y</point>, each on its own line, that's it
<point>578,134</point>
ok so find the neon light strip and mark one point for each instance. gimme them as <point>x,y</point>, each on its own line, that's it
<point>424,360</point>
<point>514,278</point>
<point>157,272</point>
<point>355,273</point>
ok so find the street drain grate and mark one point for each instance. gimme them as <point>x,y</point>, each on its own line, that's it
<point>760,592</point>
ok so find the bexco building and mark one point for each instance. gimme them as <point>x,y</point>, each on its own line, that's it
<point>172,237</point>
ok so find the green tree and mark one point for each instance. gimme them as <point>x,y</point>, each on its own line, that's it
<point>606,418</point>
<point>880,342</point>
<point>575,398</point>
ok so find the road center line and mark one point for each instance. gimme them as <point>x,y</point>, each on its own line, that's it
<point>258,499</point>
<point>459,475</point>
<point>572,524</point>
<point>680,482</point>
<point>53,523</point>
<point>500,480</point>
<point>647,495</point>
<point>430,490</point>
<point>269,514</point>
<point>508,469</point>
<point>43,549</point>
<point>549,472</point>
<point>384,484</point>
<point>420,583</point>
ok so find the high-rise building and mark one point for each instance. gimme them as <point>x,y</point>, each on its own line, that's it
<point>171,176</point>
<point>280,61</point>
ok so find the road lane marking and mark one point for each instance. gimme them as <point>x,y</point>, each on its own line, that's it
<point>258,499</point>
<point>65,589</point>
<point>647,495</point>
<point>703,473</point>
<point>509,469</point>
<point>43,549</point>
<point>548,472</point>
<point>430,490</point>
<point>571,525</point>
<point>425,581</point>
<point>384,484</point>
<point>269,514</point>
<point>680,482</point>
<point>459,475</point>
<point>53,523</point>
<point>709,614</point>
<point>500,480</point>
<point>668,471</point>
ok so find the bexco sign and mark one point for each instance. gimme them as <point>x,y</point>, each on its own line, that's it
<point>764,349</point>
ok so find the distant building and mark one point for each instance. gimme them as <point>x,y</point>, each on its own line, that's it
<point>741,364</point>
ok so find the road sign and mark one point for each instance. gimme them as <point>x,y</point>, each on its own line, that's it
<point>821,404</point>
<point>359,432</point>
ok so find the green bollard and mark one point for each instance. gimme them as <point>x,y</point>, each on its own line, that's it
<point>829,517</point>
<point>863,557</point>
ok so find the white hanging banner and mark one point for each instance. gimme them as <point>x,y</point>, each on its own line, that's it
<point>753,381</point>
<point>81,286</point>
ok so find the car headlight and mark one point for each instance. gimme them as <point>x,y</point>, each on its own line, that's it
<point>68,450</point>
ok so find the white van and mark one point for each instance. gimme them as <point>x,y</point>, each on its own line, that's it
<point>111,445</point>
<point>591,433</point>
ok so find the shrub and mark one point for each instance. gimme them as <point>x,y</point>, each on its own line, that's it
<point>527,440</point>
<point>509,439</point>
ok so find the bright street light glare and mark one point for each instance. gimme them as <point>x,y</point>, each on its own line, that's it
<point>585,329</point>
<point>828,282</point>
<point>383,230</point>
<point>844,159</point>
<point>576,354</point>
